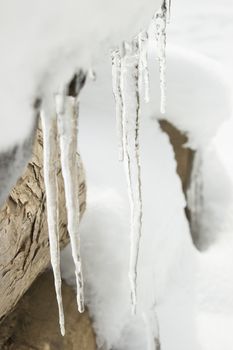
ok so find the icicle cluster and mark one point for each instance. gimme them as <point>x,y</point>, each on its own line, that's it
<point>160,21</point>
<point>130,77</point>
<point>61,128</point>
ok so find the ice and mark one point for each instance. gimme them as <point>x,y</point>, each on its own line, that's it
<point>160,23</point>
<point>49,128</point>
<point>131,114</point>
<point>67,113</point>
<point>116,84</point>
<point>144,87</point>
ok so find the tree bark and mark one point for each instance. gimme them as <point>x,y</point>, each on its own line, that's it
<point>24,248</point>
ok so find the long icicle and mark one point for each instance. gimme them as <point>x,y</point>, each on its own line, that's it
<point>67,113</point>
<point>161,18</point>
<point>131,111</point>
<point>50,178</point>
<point>116,86</point>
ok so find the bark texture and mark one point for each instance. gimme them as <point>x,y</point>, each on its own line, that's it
<point>24,248</point>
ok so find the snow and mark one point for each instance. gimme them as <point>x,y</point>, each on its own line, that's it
<point>166,275</point>
<point>170,269</point>
<point>43,46</point>
<point>184,297</point>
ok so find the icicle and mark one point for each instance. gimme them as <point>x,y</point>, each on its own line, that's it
<point>131,109</point>
<point>116,79</point>
<point>67,113</point>
<point>161,19</point>
<point>168,8</point>
<point>50,179</point>
<point>144,87</point>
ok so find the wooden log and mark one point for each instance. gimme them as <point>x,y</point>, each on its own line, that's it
<point>24,248</point>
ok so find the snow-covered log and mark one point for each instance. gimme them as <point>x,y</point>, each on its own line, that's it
<point>24,249</point>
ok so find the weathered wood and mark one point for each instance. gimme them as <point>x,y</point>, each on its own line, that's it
<point>33,325</point>
<point>24,248</point>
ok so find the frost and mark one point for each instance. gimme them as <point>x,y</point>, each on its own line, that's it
<point>130,117</point>
<point>67,112</point>
<point>50,178</point>
<point>161,19</point>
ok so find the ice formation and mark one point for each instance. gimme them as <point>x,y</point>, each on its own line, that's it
<point>144,87</point>
<point>130,85</point>
<point>49,127</point>
<point>161,18</point>
<point>130,79</point>
<point>130,120</point>
<point>116,85</point>
<point>67,112</point>
<point>61,128</point>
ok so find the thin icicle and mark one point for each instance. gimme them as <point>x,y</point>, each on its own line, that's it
<point>131,110</point>
<point>67,113</point>
<point>116,81</point>
<point>50,178</point>
<point>161,19</point>
<point>144,87</point>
